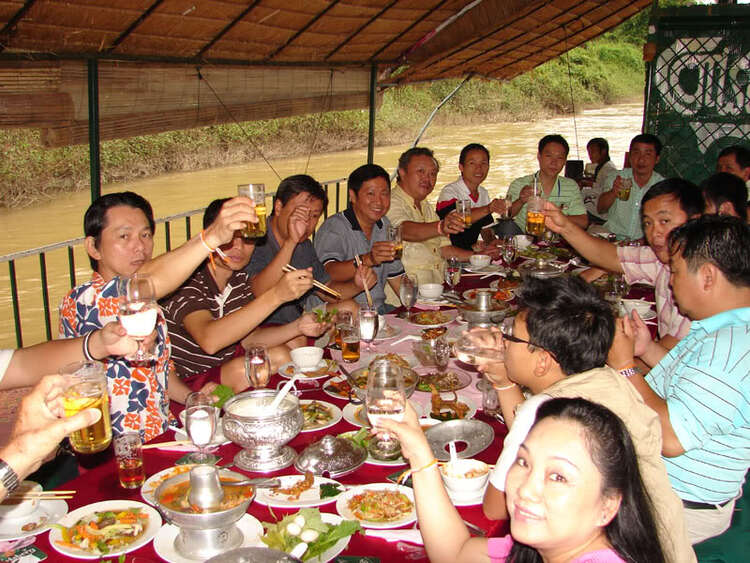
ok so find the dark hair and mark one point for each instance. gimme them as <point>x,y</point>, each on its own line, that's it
<point>363,174</point>
<point>406,156</point>
<point>741,154</point>
<point>547,139</point>
<point>603,146</point>
<point>212,211</point>
<point>725,187</point>
<point>472,147</point>
<point>632,532</point>
<point>647,139</point>
<point>686,193</point>
<point>567,317</point>
<point>722,240</point>
<point>297,184</point>
<point>94,221</point>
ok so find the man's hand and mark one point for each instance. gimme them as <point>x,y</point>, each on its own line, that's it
<point>526,193</point>
<point>41,425</point>
<point>111,340</point>
<point>383,251</point>
<point>297,224</point>
<point>294,285</point>
<point>555,220</point>
<point>309,326</point>
<point>453,223</point>
<point>498,206</point>
<point>232,217</point>
<point>364,275</point>
<point>622,352</point>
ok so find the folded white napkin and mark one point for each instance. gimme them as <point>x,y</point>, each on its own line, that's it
<point>410,536</point>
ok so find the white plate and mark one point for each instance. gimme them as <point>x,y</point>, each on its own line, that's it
<point>387,333</point>
<point>154,523</point>
<point>451,315</point>
<point>52,510</point>
<point>333,409</point>
<point>219,438</point>
<point>337,379</point>
<point>343,508</point>
<point>310,497</point>
<point>354,414</point>
<point>250,527</point>
<point>333,551</point>
<point>288,370</point>
<point>152,483</point>
<point>449,395</point>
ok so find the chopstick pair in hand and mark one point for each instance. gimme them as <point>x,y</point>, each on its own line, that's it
<point>289,268</point>
<point>358,262</point>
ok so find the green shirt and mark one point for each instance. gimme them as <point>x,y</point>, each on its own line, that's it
<point>564,192</point>
<point>624,218</point>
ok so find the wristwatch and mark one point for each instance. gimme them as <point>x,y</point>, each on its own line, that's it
<point>8,477</point>
<point>628,372</point>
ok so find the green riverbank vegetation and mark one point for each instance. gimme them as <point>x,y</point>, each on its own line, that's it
<point>604,71</point>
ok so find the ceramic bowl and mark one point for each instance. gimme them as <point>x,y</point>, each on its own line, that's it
<point>306,358</point>
<point>16,508</point>
<point>455,476</point>
<point>479,260</point>
<point>431,290</point>
<point>523,241</point>
<point>642,307</point>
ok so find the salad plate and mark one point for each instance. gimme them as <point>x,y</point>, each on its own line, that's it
<point>70,520</point>
<point>47,513</point>
<point>310,497</point>
<point>378,505</point>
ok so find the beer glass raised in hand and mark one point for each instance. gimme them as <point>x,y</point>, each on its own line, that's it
<point>86,387</point>
<point>256,192</point>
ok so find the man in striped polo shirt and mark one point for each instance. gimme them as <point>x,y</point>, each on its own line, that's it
<point>701,388</point>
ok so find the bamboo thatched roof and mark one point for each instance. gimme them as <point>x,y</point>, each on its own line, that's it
<point>406,40</point>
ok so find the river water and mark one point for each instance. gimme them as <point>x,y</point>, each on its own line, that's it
<point>512,147</point>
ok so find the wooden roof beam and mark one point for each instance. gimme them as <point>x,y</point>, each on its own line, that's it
<point>302,30</point>
<point>132,27</point>
<point>227,28</point>
<point>359,29</point>
<point>8,27</point>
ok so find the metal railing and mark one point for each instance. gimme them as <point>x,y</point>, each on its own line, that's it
<point>30,314</point>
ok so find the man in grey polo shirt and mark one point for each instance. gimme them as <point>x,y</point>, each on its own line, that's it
<point>362,230</point>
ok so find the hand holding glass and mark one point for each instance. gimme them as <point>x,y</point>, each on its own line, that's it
<point>256,192</point>
<point>138,313</point>
<point>386,398</point>
<point>86,387</point>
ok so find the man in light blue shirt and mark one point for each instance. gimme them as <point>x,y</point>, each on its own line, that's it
<point>624,215</point>
<point>701,388</point>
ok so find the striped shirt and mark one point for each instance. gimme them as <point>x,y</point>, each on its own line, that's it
<point>200,293</point>
<point>705,381</point>
<point>641,265</point>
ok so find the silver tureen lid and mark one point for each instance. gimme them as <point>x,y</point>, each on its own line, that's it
<point>331,455</point>
<point>541,268</point>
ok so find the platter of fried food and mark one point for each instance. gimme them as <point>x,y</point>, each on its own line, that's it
<point>450,380</point>
<point>450,406</point>
<point>378,505</point>
<point>432,319</point>
<point>296,491</point>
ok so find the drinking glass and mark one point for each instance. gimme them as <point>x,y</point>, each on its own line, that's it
<point>407,293</point>
<point>368,324</point>
<point>86,387</point>
<point>509,250</point>
<point>616,289</point>
<point>395,235</point>
<point>200,423</point>
<point>386,398</point>
<point>342,318</point>
<point>463,207</point>
<point>626,184</point>
<point>129,460</point>
<point>257,366</point>
<point>256,192</point>
<point>508,204</point>
<point>452,274</point>
<point>349,343</point>
<point>535,216</point>
<point>470,351</point>
<point>138,313</point>
<point>441,352</point>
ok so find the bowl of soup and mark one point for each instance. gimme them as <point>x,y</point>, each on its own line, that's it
<point>465,476</point>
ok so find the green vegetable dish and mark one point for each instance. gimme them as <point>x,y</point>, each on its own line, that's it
<point>307,526</point>
<point>101,533</point>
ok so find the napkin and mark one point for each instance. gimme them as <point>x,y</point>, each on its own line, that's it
<point>411,536</point>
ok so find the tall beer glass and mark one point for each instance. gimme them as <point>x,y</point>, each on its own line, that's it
<point>256,192</point>
<point>86,387</point>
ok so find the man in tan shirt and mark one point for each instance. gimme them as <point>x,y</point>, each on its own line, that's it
<point>557,347</point>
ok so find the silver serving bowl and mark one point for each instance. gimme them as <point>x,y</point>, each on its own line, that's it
<point>205,534</point>
<point>477,435</point>
<point>262,435</point>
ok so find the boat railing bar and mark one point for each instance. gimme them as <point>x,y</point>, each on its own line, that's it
<point>70,244</point>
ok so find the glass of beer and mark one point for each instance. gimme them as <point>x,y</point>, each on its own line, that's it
<point>626,184</point>
<point>256,192</point>
<point>349,343</point>
<point>463,207</point>
<point>342,318</point>
<point>86,387</point>
<point>535,216</point>
<point>129,460</point>
<point>395,236</point>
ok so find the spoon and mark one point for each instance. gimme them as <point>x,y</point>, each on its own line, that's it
<point>260,483</point>
<point>452,451</point>
<point>282,393</point>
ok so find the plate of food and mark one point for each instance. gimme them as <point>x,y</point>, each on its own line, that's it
<point>362,438</point>
<point>489,269</point>
<point>152,483</point>
<point>300,491</point>
<point>357,414</point>
<point>499,295</point>
<point>105,529</point>
<point>432,319</point>
<point>47,512</point>
<point>326,535</point>
<point>318,415</point>
<point>504,283</point>
<point>387,331</point>
<point>450,406</point>
<point>338,387</point>
<point>450,380</point>
<point>378,505</point>
<point>325,368</point>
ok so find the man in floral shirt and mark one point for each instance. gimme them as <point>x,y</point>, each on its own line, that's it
<point>119,232</point>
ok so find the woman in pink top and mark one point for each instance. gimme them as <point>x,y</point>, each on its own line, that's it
<point>574,494</point>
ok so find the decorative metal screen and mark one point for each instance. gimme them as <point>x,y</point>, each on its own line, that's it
<point>698,89</point>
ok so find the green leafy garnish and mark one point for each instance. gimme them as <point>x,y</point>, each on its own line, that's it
<point>221,394</point>
<point>323,316</point>
<point>361,437</point>
<point>330,490</point>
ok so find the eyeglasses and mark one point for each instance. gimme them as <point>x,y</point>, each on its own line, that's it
<point>507,331</point>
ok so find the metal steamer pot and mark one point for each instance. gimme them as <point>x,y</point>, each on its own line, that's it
<point>203,535</point>
<point>484,312</point>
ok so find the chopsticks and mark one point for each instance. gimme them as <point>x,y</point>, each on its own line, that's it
<point>289,268</point>
<point>358,262</point>
<point>166,444</point>
<point>42,495</point>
